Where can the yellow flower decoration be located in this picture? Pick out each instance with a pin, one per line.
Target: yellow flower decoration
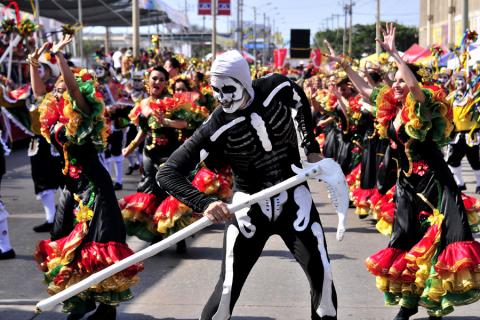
(84, 212)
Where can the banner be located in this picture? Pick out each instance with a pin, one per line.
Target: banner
(279, 57)
(316, 57)
(205, 7)
(223, 8)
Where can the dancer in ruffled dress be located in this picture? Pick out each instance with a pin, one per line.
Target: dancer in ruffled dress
(72, 119)
(432, 259)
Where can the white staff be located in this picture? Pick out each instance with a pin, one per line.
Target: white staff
(13, 43)
(327, 170)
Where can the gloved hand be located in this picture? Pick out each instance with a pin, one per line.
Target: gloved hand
(331, 173)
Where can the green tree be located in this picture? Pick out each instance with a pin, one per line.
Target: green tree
(363, 38)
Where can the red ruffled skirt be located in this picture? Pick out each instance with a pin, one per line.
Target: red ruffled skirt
(150, 219)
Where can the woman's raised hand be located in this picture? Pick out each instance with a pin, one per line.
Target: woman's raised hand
(60, 45)
(38, 51)
(332, 55)
(388, 43)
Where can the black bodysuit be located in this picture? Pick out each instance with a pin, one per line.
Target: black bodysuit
(260, 144)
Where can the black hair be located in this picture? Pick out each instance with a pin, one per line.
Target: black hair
(185, 82)
(343, 81)
(375, 76)
(162, 70)
(199, 75)
(174, 63)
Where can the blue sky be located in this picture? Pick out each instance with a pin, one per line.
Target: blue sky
(308, 14)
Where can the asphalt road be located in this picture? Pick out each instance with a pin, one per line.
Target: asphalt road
(177, 286)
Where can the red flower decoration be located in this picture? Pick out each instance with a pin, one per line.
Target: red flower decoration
(354, 104)
(98, 95)
(86, 77)
(420, 168)
(74, 171)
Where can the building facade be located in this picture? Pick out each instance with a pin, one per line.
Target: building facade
(441, 21)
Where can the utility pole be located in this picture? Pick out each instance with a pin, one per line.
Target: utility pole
(241, 25)
(465, 21)
(214, 29)
(239, 48)
(350, 33)
(451, 24)
(107, 40)
(345, 9)
(264, 54)
(38, 32)
(255, 37)
(429, 22)
(378, 49)
(80, 19)
(338, 22)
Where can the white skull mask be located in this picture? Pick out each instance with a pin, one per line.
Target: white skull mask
(230, 93)
(99, 72)
(460, 83)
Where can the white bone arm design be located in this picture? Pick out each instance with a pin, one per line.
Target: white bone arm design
(331, 173)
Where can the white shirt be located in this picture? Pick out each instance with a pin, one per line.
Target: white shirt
(117, 59)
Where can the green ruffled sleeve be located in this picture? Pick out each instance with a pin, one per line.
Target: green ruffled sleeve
(374, 95)
(85, 127)
(432, 117)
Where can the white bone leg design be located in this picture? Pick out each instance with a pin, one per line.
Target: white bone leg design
(326, 307)
(223, 312)
(278, 203)
(303, 199)
(243, 220)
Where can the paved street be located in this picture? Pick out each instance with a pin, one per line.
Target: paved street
(177, 286)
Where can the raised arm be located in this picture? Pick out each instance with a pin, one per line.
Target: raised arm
(38, 87)
(358, 82)
(388, 44)
(68, 75)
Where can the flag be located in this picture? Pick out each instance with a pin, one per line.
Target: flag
(279, 56)
(316, 57)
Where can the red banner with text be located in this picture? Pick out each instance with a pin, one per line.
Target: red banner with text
(205, 7)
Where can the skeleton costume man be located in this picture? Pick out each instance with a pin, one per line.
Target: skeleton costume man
(254, 133)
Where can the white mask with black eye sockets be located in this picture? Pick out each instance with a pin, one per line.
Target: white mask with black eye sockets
(99, 72)
(230, 93)
(460, 83)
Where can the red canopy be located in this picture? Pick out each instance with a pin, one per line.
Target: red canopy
(415, 52)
